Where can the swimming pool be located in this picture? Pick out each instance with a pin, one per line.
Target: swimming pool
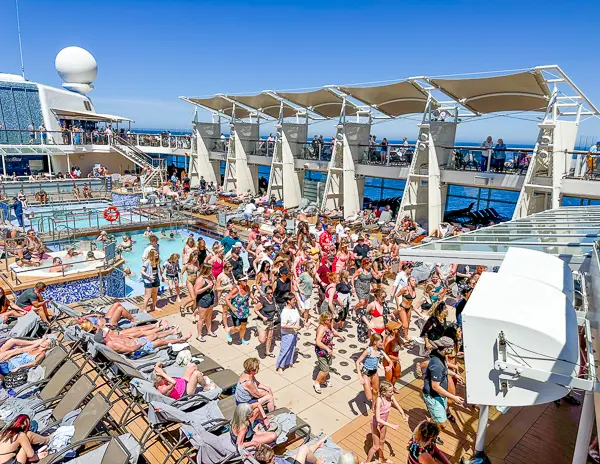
(133, 258)
(76, 216)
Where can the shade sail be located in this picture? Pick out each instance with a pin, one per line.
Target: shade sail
(265, 103)
(320, 101)
(221, 105)
(393, 99)
(87, 116)
(525, 91)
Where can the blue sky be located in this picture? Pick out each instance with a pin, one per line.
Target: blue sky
(151, 52)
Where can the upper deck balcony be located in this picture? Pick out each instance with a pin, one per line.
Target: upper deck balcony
(75, 141)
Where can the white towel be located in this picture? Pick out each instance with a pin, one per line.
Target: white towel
(61, 438)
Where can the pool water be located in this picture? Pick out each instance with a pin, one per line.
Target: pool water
(133, 258)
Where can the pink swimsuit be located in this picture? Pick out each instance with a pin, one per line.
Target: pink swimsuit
(384, 411)
(179, 388)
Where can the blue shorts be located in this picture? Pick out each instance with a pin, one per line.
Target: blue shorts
(148, 346)
(436, 405)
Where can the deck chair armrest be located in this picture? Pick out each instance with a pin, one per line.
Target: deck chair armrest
(306, 428)
(73, 446)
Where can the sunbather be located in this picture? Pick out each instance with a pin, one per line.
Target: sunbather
(112, 317)
(178, 387)
(18, 354)
(138, 339)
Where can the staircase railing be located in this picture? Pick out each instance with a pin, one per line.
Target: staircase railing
(131, 151)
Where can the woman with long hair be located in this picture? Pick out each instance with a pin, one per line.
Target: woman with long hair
(171, 271)
(421, 447)
(217, 260)
(203, 253)
(391, 346)
(244, 430)
(151, 276)
(190, 246)
(191, 268)
(264, 276)
(342, 257)
(404, 304)
(17, 441)
(205, 300)
(324, 349)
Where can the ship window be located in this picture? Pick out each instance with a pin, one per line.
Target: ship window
(87, 105)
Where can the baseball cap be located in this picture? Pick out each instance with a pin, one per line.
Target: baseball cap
(444, 342)
(237, 245)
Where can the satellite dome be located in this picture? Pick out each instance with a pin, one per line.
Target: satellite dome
(77, 67)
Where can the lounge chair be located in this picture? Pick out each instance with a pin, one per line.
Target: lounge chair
(213, 449)
(142, 385)
(52, 383)
(71, 400)
(119, 450)
(85, 423)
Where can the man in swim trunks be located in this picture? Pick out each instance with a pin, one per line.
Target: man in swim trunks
(144, 339)
(31, 299)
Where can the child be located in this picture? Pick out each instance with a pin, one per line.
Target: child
(171, 271)
(370, 358)
(383, 405)
(163, 234)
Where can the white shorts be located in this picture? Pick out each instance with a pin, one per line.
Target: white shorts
(304, 302)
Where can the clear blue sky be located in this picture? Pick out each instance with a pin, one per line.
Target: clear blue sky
(151, 52)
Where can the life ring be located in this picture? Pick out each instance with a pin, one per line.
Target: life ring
(111, 213)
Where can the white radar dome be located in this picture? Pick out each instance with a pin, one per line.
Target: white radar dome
(77, 67)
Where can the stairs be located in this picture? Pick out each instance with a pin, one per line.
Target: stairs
(141, 159)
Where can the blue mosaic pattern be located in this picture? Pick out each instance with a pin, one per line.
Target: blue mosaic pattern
(114, 284)
(125, 201)
(19, 105)
(85, 289)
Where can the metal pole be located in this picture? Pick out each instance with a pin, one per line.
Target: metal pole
(484, 414)
(20, 44)
(4, 165)
(584, 433)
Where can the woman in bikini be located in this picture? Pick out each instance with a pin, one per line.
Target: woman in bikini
(16, 442)
(376, 310)
(404, 304)
(191, 268)
(264, 277)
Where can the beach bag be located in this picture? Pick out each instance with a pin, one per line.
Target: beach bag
(16, 379)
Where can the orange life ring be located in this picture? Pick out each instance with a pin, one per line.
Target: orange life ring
(111, 213)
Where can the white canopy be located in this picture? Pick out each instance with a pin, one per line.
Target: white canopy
(88, 116)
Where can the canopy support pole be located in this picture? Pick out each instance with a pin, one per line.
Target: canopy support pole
(205, 135)
(238, 176)
(4, 165)
(584, 432)
(284, 183)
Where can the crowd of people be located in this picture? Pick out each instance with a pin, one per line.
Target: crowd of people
(323, 276)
